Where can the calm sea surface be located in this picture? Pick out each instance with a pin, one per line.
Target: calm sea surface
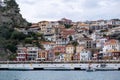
(59, 75)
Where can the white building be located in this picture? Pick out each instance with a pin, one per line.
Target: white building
(32, 53)
(48, 45)
(21, 54)
(48, 29)
(27, 53)
(50, 37)
(62, 42)
(60, 57)
(85, 55)
(111, 46)
(113, 22)
(101, 22)
(96, 35)
(87, 42)
(100, 42)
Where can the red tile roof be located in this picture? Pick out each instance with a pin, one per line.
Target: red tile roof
(67, 32)
(111, 42)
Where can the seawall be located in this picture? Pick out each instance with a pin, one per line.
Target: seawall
(58, 66)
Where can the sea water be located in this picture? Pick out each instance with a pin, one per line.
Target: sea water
(59, 75)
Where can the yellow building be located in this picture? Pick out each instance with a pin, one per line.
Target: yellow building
(79, 48)
(46, 27)
(68, 57)
(43, 26)
(42, 55)
(70, 49)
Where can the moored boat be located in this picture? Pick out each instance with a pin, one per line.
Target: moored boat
(89, 69)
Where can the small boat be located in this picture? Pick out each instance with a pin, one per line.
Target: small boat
(89, 69)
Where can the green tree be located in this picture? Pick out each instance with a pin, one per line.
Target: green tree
(18, 35)
(11, 47)
(6, 32)
(67, 26)
(28, 40)
(9, 19)
(70, 37)
(57, 53)
(12, 4)
(104, 35)
(41, 36)
(75, 43)
(12, 57)
(12, 13)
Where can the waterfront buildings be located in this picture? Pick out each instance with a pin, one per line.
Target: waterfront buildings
(85, 55)
(111, 46)
(70, 49)
(27, 53)
(42, 55)
(21, 54)
(32, 53)
(68, 41)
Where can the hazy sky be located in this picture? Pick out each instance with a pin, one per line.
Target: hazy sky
(76, 10)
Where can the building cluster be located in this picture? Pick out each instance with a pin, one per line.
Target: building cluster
(73, 41)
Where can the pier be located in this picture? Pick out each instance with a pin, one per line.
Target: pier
(49, 65)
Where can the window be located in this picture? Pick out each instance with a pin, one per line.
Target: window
(19, 51)
(32, 51)
(59, 49)
(115, 49)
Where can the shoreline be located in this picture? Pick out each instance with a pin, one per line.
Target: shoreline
(101, 66)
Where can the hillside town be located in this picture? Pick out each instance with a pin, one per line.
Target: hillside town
(65, 40)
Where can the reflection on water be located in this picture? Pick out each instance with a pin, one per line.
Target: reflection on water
(59, 75)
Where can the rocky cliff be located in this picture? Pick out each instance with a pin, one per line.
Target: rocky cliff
(10, 18)
(10, 15)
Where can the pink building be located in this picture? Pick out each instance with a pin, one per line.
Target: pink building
(27, 53)
(21, 54)
(59, 49)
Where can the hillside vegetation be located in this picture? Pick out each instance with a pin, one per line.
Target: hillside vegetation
(10, 18)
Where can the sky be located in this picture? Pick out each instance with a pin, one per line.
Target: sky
(76, 10)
